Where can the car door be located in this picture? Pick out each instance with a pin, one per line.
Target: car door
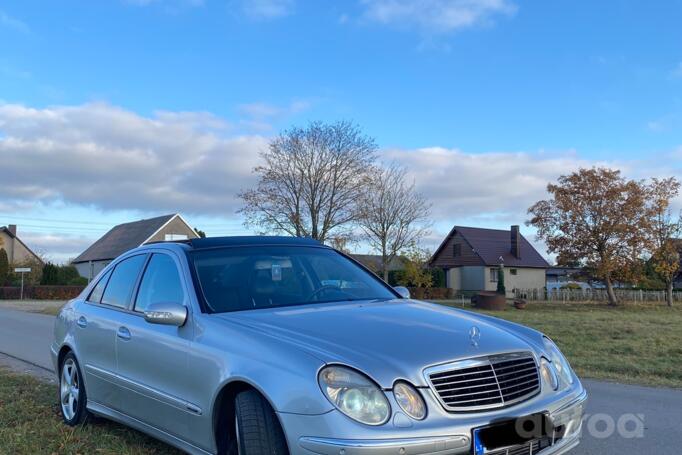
(152, 358)
(96, 329)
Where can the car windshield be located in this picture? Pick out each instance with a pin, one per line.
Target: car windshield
(246, 278)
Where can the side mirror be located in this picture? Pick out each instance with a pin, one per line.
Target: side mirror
(166, 314)
(403, 291)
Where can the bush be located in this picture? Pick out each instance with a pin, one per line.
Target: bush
(395, 277)
(41, 292)
(431, 293)
(62, 275)
(571, 286)
(4, 267)
(56, 292)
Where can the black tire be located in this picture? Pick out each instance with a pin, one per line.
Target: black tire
(257, 428)
(77, 414)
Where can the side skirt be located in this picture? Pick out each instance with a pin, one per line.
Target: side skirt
(106, 412)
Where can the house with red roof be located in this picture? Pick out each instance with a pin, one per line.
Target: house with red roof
(471, 257)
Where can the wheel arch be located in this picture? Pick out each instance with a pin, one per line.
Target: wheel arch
(222, 410)
(65, 349)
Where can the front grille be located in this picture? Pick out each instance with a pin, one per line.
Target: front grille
(485, 382)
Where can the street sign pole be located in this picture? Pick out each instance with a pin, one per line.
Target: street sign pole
(22, 270)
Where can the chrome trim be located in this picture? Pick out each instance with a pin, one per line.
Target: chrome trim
(489, 360)
(142, 389)
(412, 446)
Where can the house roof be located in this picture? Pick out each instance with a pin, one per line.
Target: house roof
(122, 238)
(6, 230)
(491, 244)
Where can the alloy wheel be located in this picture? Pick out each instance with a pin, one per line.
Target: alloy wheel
(69, 389)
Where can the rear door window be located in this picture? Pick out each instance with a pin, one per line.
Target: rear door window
(98, 290)
(122, 281)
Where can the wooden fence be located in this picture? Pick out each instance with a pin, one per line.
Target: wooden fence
(593, 295)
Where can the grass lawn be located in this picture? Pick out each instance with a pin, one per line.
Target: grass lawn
(630, 343)
(30, 423)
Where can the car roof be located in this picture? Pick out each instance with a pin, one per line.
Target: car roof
(250, 240)
(246, 240)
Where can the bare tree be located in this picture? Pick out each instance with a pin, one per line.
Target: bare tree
(311, 181)
(665, 231)
(394, 216)
(598, 218)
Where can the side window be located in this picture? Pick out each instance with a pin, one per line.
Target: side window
(122, 281)
(160, 283)
(96, 293)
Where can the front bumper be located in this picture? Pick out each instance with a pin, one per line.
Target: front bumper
(443, 434)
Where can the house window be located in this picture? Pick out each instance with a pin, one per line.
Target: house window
(457, 249)
(493, 274)
(512, 271)
(171, 237)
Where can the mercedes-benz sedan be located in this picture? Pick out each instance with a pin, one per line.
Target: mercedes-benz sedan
(273, 345)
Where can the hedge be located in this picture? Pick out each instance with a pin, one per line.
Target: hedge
(437, 277)
(41, 292)
(431, 293)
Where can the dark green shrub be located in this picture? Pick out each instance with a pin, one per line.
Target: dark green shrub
(4, 267)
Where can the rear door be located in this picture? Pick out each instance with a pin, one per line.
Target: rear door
(97, 323)
(152, 358)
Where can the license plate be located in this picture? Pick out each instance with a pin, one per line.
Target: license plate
(510, 433)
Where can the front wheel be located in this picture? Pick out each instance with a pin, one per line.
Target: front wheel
(257, 428)
(72, 397)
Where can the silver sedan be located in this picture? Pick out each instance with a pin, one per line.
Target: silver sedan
(275, 345)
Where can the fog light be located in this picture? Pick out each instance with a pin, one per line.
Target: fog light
(409, 400)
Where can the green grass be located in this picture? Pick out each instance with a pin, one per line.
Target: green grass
(30, 423)
(630, 343)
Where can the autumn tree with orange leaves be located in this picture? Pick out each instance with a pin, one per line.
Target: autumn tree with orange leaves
(598, 218)
(664, 232)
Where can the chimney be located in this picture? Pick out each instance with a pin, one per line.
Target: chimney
(12, 228)
(516, 242)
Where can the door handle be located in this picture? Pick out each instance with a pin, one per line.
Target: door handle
(123, 333)
(82, 322)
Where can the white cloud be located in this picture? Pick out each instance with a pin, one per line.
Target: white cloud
(677, 71)
(13, 23)
(110, 158)
(489, 187)
(436, 16)
(267, 9)
(56, 247)
(655, 126)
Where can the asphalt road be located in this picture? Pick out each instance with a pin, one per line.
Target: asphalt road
(656, 412)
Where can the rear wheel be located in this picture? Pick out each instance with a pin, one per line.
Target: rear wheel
(72, 396)
(257, 429)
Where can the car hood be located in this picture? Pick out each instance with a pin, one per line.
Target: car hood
(387, 340)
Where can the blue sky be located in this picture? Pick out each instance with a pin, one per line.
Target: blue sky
(520, 90)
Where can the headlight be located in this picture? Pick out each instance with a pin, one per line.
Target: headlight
(549, 374)
(355, 395)
(409, 400)
(559, 361)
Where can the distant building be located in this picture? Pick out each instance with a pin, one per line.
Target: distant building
(373, 262)
(17, 251)
(558, 277)
(127, 236)
(471, 256)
